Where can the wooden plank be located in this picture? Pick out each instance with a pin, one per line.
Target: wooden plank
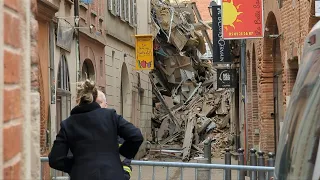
(187, 142)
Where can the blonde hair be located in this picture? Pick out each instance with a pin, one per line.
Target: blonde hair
(87, 92)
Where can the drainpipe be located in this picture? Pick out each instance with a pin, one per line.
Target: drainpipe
(76, 20)
(243, 92)
(52, 81)
(51, 59)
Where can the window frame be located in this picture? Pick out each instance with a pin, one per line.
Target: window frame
(63, 91)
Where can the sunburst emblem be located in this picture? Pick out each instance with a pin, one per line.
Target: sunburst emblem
(231, 14)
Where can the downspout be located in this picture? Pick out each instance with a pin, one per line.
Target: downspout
(243, 93)
(52, 80)
(76, 21)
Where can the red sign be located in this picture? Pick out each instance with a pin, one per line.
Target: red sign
(242, 19)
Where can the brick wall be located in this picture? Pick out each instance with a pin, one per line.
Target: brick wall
(293, 20)
(12, 120)
(16, 115)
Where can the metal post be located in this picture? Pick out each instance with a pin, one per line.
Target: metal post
(271, 164)
(203, 174)
(253, 162)
(41, 171)
(261, 162)
(227, 156)
(241, 175)
(207, 149)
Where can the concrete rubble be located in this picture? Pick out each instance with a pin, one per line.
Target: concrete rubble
(188, 108)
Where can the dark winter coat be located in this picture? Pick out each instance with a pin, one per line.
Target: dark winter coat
(91, 133)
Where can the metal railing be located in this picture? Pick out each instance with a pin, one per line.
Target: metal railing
(202, 171)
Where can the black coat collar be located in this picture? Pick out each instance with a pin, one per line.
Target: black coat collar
(83, 108)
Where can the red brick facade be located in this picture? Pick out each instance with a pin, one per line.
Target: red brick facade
(269, 57)
(12, 103)
(15, 26)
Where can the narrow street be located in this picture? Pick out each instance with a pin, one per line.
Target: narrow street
(85, 81)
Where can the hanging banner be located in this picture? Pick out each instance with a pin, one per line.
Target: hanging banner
(221, 48)
(144, 52)
(242, 19)
(226, 78)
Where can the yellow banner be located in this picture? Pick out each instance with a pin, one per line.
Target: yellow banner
(144, 52)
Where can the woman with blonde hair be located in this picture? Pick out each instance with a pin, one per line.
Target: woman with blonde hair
(91, 134)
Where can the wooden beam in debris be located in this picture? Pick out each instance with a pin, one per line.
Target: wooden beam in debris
(188, 137)
(170, 138)
(161, 99)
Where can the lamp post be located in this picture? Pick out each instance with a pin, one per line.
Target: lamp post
(211, 5)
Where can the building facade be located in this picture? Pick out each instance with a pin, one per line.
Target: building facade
(19, 91)
(128, 91)
(92, 42)
(272, 67)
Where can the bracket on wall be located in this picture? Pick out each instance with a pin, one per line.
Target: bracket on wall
(275, 36)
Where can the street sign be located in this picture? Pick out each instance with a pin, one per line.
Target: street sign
(242, 19)
(221, 48)
(144, 52)
(226, 78)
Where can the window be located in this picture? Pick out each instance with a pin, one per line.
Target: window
(135, 13)
(127, 10)
(88, 70)
(63, 75)
(101, 67)
(130, 13)
(110, 5)
(63, 105)
(123, 9)
(118, 7)
(280, 3)
(113, 55)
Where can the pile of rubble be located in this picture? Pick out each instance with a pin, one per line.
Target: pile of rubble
(188, 108)
(187, 126)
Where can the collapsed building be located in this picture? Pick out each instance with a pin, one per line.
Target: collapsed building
(187, 106)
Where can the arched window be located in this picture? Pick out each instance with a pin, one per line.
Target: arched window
(88, 70)
(63, 92)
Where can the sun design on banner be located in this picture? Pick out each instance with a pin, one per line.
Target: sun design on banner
(230, 14)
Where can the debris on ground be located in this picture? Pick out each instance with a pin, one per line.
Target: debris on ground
(188, 108)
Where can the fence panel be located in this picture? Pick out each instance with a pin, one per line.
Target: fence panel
(182, 166)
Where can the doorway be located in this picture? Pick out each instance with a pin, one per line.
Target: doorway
(124, 92)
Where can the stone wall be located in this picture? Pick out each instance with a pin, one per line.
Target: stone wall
(19, 123)
(136, 107)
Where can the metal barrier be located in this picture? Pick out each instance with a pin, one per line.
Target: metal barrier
(183, 165)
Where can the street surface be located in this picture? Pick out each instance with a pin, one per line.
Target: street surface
(174, 173)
